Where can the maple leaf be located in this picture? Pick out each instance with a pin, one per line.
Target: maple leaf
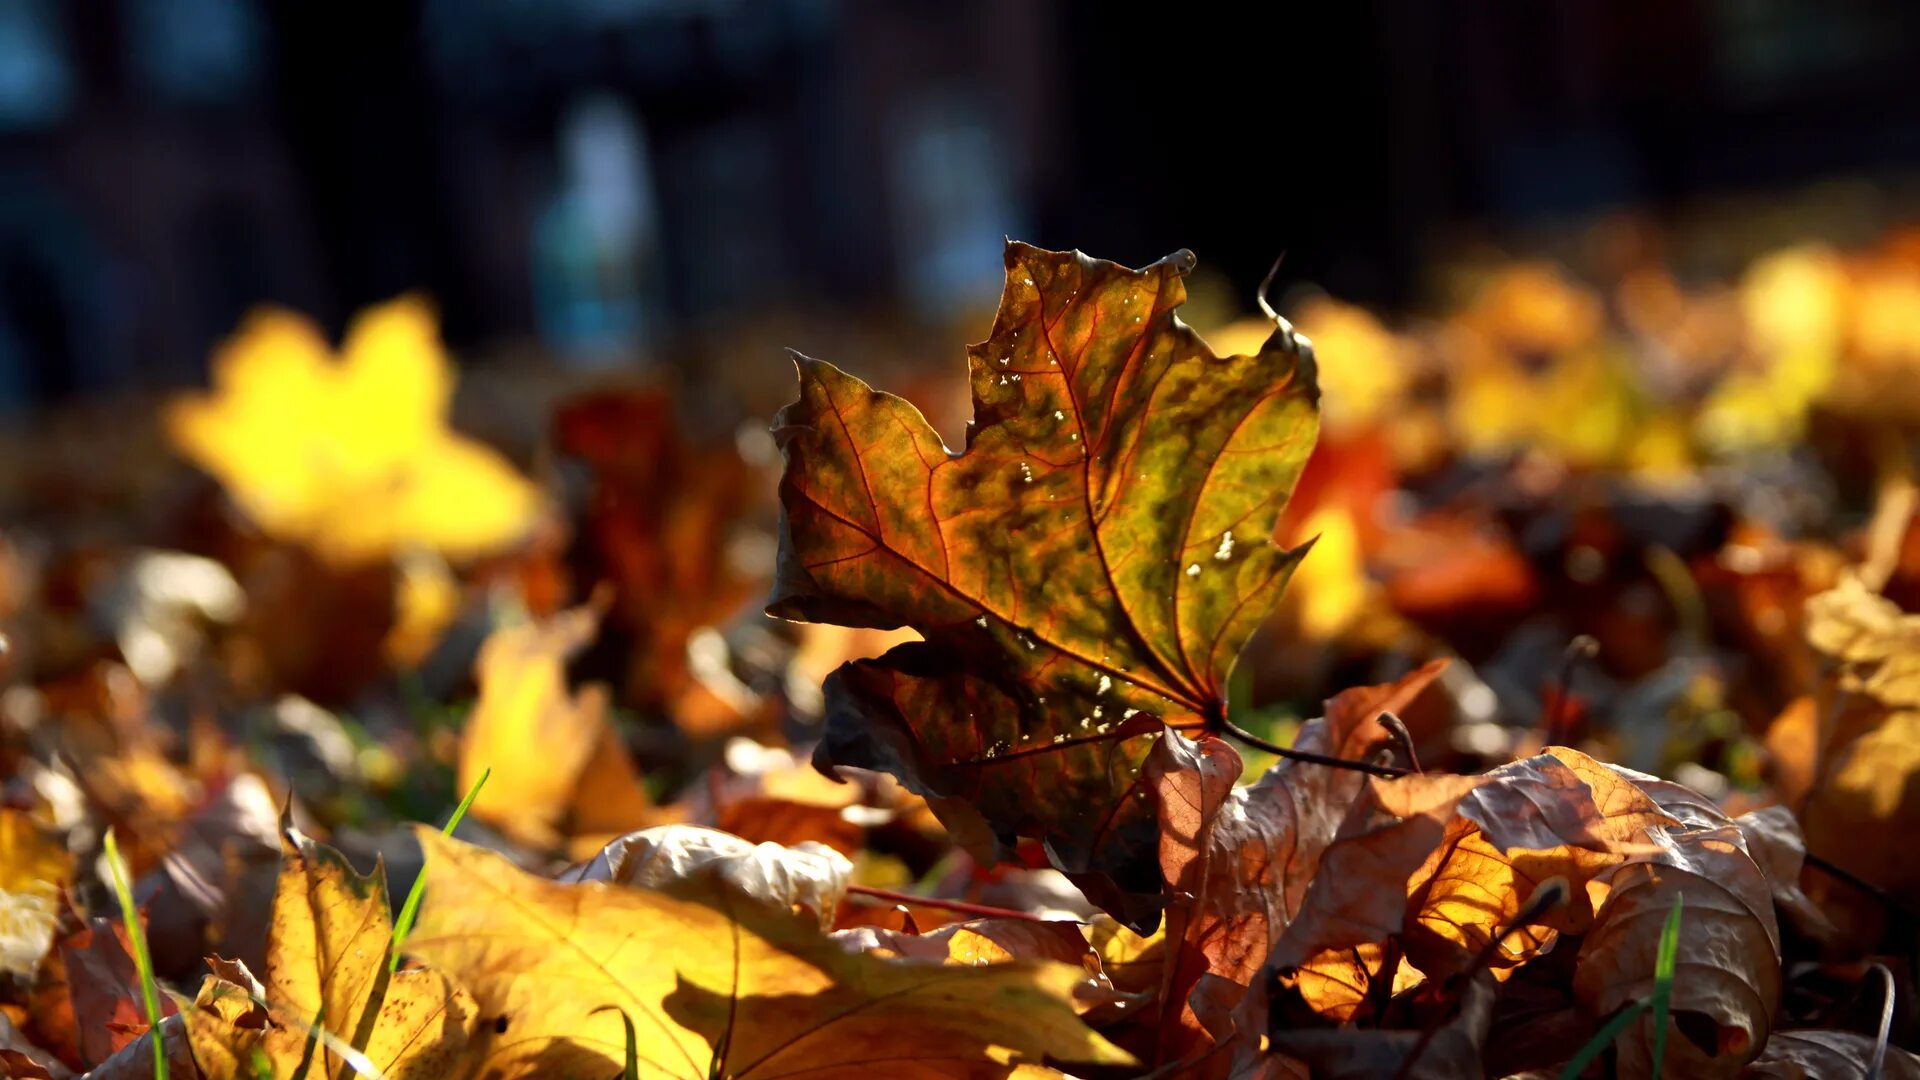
(327, 969)
(351, 456)
(1084, 573)
(559, 769)
(718, 983)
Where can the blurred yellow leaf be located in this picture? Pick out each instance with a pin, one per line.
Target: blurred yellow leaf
(718, 985)
(350, 455)
(560, 771)
(34, 865)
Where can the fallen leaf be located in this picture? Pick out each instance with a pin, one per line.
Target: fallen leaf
(560, 772)
(1869, 736)
(1823, 1054)
(1452, 1053)
(327, 968)
(806, 877)
(351, 455)
(1084, 573)
(1727, 986)
(1239, 859)
(764, 994)
(657, 525)
(108, 1009)
(34, 867)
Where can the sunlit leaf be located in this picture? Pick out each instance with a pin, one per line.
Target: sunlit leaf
(351, 454)
(1084, 572)
(718, 984)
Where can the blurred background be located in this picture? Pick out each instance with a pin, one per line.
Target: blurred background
(594, 181)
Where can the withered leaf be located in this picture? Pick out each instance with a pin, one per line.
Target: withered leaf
(719, 986)
(327, 968)
(1824, 1054)
(806, 876)
(1084, 573)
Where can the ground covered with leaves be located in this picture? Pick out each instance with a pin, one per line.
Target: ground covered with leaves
(1528, 690)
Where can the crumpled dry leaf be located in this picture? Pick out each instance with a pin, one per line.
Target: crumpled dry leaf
(805, 876)
(327, 967)
(351, 455)
(1085, 572)
(1727, 984)
(1827, 1055)
(1244, 855)
(561, 775)
(1438, 864)
(764, 993)
(1869, 737)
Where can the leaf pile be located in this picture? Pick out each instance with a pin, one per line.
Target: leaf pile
(1157, 729)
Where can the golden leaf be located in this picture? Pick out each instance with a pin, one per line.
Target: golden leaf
(327, 968)
(559, 769)
(718, 985)
(351, 456)
(33, 868)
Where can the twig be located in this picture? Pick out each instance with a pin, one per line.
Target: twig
(1892, 902)
(1404, 738)
(1258, 743)
(981, 910)
(1581, 648)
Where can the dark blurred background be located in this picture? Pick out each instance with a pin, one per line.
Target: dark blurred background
(595, 176)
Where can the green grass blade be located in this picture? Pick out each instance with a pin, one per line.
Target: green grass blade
(1665, 961)
(1663, 968)
(403, 925)
(117, 867)
(1601, 1040)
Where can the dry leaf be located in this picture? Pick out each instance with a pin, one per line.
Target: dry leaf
(1827, 1055)
(807, 876)
(327, 967)
(34, 867)
(560, 771)
(719, 986)
(1085, 572)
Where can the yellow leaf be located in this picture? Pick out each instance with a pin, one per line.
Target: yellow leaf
(559, 769)
(33, 867)
(350, 456)
(717, 985)
(327, 969)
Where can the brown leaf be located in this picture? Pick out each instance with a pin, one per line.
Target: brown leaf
(1239, 859)
(108, 1008)
(1084, 572)
(1827, 1055)
(1452, 1053)
(1727, 985)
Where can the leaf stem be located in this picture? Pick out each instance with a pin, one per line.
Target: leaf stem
(984, 911)
(1258, 743)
